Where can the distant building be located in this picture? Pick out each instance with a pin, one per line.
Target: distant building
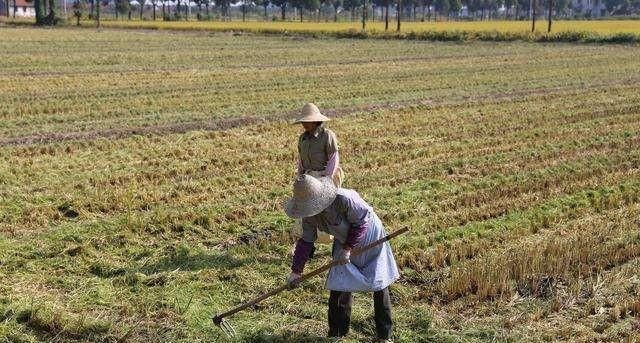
(23, 8)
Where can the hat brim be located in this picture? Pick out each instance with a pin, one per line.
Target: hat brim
(312, 118)
(301, 209)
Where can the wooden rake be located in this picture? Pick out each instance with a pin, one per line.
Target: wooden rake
(230, 331)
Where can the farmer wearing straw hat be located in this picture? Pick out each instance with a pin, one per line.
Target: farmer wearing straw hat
(344, 214)
(318, 154)
(318, 146)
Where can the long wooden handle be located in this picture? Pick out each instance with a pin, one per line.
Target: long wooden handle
(355, 252)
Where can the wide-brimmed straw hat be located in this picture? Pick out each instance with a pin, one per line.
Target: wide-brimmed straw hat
(311, 113)
(310, 196)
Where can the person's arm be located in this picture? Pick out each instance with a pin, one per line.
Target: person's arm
(357, 212)
(300, 165)
(332, 164)
(331, 149)
(304, 245)
(355, 235)
(300, 168)
(301, 255)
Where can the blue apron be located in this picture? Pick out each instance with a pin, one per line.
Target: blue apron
(373, 270)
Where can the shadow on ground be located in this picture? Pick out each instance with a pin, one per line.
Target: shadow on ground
(289, 337)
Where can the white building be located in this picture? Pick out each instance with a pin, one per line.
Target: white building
(23, 8)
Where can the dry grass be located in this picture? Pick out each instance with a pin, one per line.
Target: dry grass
(520, 184)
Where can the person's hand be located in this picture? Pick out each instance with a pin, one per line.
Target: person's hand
(344, 256)
(293, 280)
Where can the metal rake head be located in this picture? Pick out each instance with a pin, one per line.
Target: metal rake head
(225, 326)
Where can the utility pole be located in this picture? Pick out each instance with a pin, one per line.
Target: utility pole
(533, 15)
(386, 16)
(364, 14)
(399, 14)
(98, 13)
(550, 12)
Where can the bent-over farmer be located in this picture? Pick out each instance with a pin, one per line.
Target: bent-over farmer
(317, 154)
(345, 215)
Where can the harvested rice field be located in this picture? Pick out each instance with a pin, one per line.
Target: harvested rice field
(142, 176)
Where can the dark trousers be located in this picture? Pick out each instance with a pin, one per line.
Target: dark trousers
(340, 304)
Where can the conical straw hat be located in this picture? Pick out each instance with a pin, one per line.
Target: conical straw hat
(311, 113)
(310, 196)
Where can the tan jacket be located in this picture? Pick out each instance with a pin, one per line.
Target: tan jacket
(316, 148)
